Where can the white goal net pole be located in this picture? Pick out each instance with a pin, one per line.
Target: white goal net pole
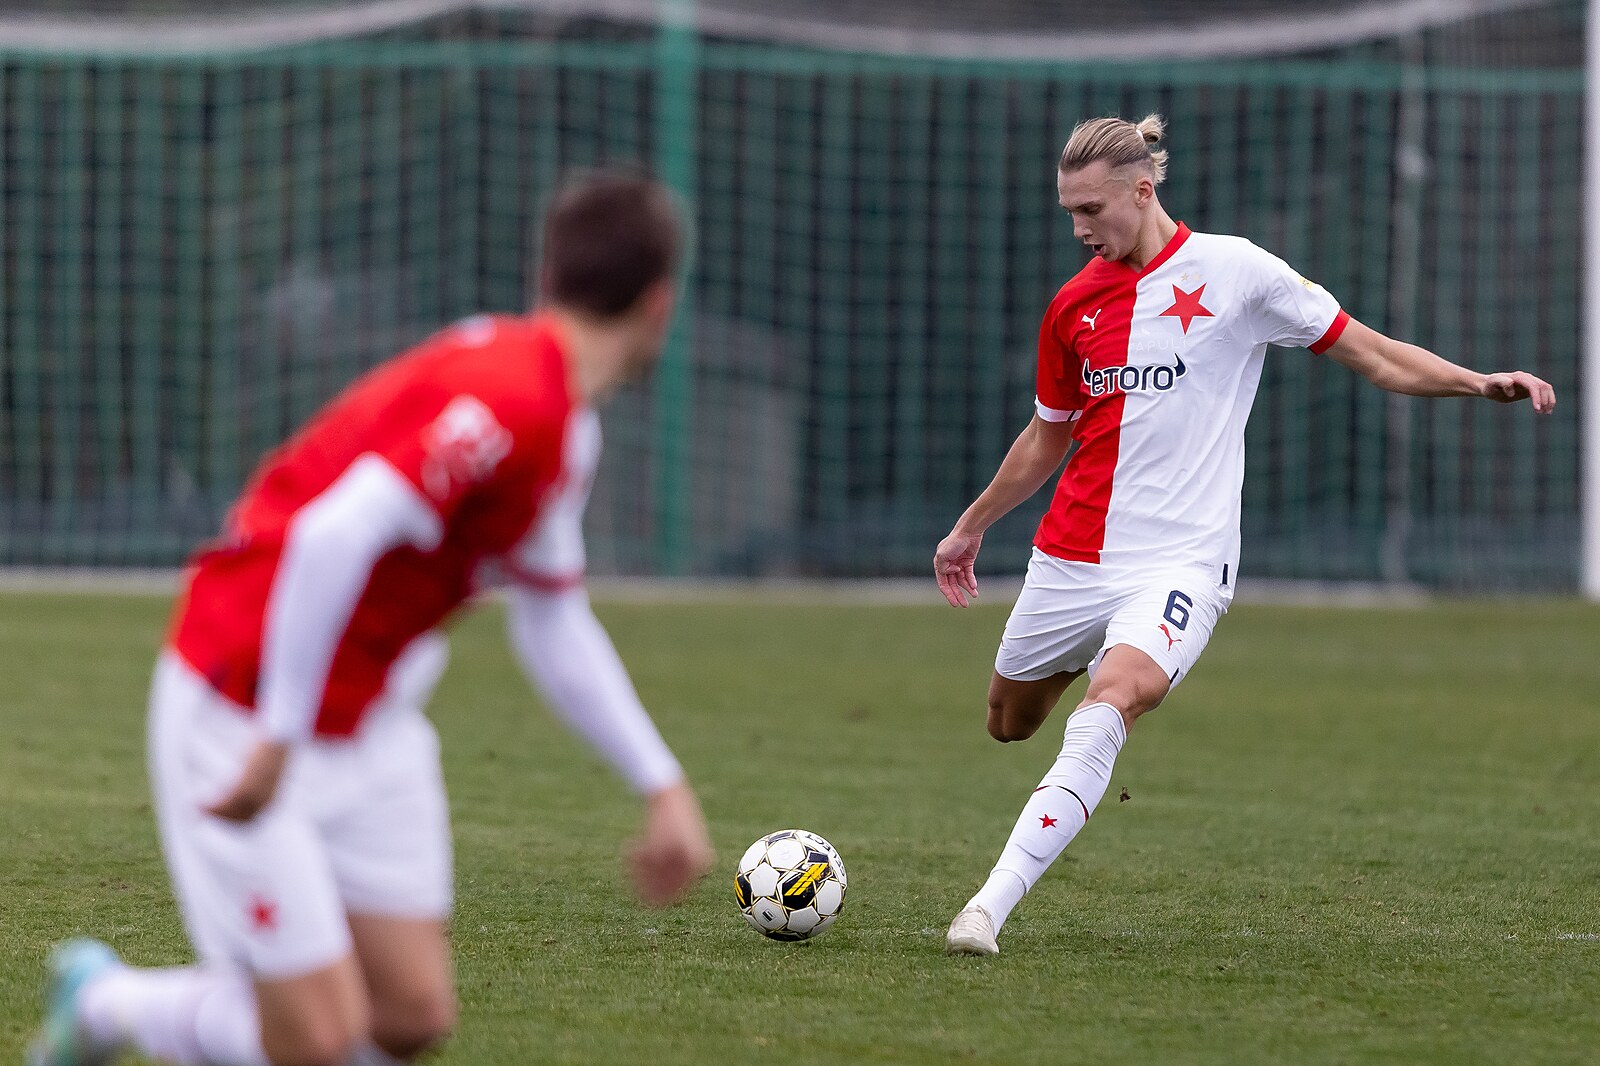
(281, 24)
(1589, 401)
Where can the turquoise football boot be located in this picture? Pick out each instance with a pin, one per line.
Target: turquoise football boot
(61, 1040)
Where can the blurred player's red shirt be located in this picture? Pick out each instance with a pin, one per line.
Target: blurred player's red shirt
(476, 418)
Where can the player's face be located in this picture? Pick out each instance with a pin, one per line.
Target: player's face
(1106, 207)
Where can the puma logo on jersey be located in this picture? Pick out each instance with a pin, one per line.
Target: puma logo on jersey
(1133, 378)
(1171, 640)
(1089, 320)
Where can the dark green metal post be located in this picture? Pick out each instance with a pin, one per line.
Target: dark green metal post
(677, 78)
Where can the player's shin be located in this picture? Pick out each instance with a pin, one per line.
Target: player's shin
(1058, 808)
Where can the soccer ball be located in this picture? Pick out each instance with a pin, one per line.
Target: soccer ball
(790, 885)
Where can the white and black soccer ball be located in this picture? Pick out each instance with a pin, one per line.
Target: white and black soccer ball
(790, 885)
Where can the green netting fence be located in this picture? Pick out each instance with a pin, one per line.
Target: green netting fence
(196, 251)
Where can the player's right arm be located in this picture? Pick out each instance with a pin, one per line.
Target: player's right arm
(1036, 454)
(329, 552)
(567, 654)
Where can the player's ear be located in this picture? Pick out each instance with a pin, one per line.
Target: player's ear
(657, 301)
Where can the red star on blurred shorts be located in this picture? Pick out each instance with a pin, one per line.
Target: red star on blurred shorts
(1045, 821)
(1186, 306)
(263, 915)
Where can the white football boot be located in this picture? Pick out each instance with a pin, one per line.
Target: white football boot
(972, 933)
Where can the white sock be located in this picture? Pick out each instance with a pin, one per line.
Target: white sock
(373, 1055)
(189, 1016)
(1058, 808)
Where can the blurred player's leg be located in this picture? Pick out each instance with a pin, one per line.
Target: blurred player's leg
(200, 1016)
(315, 1020)
(406, 965)
(215, 1016)
(389, 845)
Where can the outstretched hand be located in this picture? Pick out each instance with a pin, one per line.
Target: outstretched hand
(1516, 385)
(675, 850)
(953, 563)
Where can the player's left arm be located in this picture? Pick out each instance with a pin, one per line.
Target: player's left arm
(1407, 368)
(568, 655)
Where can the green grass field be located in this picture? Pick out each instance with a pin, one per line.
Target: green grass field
(1353, 836)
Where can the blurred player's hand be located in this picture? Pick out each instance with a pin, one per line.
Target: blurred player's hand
(952, 566)
(1516, 385)
(256, 785)
(675, 850)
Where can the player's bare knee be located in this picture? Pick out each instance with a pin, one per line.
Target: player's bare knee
(322, 1043)
(997, 724)
(1129, 699)
(1002, 731)
(1132, 692)
(413, 1043)
(415, 1023)
(1008, 723)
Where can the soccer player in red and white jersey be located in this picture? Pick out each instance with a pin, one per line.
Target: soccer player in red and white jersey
(297, 783)
(1149, 360)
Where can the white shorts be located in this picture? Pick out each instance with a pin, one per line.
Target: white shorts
(359, 825)
(1069, 613)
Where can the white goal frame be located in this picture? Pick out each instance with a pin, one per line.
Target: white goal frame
(1589, 364)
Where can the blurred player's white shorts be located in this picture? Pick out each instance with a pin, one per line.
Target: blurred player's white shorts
(1069, 613)
(358, 825)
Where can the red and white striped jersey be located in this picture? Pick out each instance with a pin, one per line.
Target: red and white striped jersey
(1159, 368)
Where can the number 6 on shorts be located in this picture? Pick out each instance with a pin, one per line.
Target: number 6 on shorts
(1177, 611)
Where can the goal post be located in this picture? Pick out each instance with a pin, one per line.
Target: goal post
(1589, 400)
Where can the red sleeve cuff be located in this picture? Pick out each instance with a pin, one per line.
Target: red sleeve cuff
(1331, 335)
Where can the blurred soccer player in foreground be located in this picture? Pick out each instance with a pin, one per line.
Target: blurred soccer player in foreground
(1149, 359)
(297, 782)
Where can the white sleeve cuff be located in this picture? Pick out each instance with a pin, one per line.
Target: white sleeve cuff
(1050, 414)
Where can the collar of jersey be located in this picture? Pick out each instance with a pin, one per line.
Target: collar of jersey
(1162, 256)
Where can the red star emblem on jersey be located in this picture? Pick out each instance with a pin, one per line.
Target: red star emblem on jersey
(1186, 307)
(263, 914)
(1045, 821)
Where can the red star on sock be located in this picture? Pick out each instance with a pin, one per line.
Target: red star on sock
(1045, 821)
